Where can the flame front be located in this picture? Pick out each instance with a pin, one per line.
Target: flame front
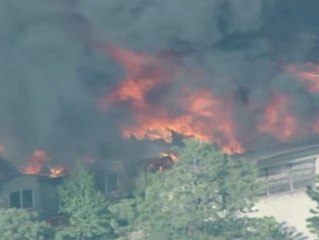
(200, 114)
(195, 110)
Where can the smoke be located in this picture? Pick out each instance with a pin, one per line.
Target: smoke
(52, 73)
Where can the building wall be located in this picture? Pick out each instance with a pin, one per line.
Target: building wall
(285, 178)
(118, 170)
(44, 193)
(49, 203)
(19, 184)
(292, 208)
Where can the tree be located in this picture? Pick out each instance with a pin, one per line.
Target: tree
(201, 197)
(17, 224)
(84, 206)
(313, 222)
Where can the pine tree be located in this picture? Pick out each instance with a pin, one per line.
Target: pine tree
(84, 206)
(17, 224)
(201, 197)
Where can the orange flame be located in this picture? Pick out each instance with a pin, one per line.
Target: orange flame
(144, 74)
(171, 155)
(57, 171)
(277, 119)
(309, 77)
(36, 162)
(201, 114)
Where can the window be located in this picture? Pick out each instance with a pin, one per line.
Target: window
(21, 199)
(111, 182)
(15, 200)
(27, 198)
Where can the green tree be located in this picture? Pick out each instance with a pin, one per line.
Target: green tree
(313, 222)
(201, 197)
(17, 224)
(84, 207)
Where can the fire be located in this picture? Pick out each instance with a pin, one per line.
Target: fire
(309, 77)
(145, 74)
(171, 155)
(57, 171)
(39, 164)
(277, 119)
(36, 162)
(200, 114)
(204, 117)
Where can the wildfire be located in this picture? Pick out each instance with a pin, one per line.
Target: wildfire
(145, 74)
(200, 114)
(309, 77)
(39, 164)
(36, 161)
(57, 171)
(277, 119)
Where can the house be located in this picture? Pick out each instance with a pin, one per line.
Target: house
(285, 175)
(31, 192)
(287, 171)
(113, 178)
(39, 192)
(7, 171)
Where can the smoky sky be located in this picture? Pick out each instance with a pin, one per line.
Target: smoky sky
(52, 74)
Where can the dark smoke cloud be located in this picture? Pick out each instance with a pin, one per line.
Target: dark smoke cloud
(52, 74)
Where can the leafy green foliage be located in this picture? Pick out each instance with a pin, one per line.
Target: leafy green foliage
(313, 222)
(201, 197)
(85, 207)
(17, 224)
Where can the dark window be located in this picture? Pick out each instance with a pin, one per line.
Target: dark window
(27, 198)
(15, 200)
(21, 199)
(111, 182)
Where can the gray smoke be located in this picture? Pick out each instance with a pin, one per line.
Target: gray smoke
(52, 75)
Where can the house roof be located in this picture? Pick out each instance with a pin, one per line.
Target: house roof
(7, 170)
(284, 154)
